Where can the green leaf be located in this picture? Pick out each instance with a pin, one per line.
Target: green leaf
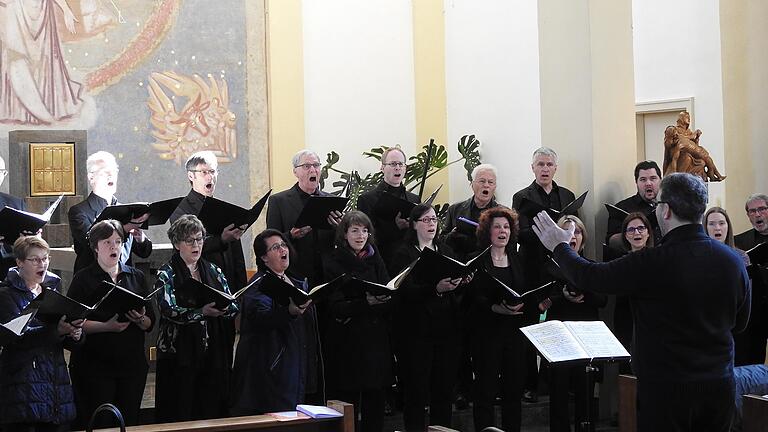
(469, 148)
(331, 159)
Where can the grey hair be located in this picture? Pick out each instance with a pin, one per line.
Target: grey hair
(484, 167)
(205, 157)
(301, 153)
(686, 195)
(544, 151)
(98, 159)
(755, 197)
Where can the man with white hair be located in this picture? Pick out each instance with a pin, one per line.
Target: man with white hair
(458, 234)
(223, 249)
(6, 250)
(102, 177)
(284, 208)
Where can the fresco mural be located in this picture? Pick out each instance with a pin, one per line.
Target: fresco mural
(151, 81)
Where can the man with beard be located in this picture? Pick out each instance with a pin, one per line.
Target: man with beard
(389, 233)
(284, 208)
(750, 345)
(102, 177)
(223, 249)
(647, 179)
(6, 249)
(690, 295)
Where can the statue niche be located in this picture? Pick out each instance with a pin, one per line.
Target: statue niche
(682, 152)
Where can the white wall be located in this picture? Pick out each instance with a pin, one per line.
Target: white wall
(358, 78)
(492, 80)
(677, 54)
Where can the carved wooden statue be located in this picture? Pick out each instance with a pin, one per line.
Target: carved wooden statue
(682, 152)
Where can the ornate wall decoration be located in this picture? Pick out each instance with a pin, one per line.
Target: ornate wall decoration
(203, 122)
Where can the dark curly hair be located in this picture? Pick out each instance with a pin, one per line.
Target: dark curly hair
(484, 226)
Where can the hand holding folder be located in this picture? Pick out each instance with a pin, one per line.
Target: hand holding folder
(316, 210)
(15, 222)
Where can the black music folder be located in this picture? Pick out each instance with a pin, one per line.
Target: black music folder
(159, 212)
(15, 328)
(758, 254)
(52, 305)
(432, 266)
(466, 225)
(511, 296)
(388, 205)
(281, 291)
(14, 222)
(193, 294)
(118, 301)
(217, 214)
(530, 208)
(316, 210)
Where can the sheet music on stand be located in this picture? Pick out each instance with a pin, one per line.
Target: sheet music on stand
(574, 341)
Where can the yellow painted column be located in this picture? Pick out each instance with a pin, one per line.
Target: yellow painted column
(429, 80)
(285, 88)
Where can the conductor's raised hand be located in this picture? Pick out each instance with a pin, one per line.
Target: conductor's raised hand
(549, 233)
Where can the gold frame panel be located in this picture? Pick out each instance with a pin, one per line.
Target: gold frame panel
(51, 169)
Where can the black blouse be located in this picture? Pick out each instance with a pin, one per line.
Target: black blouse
(113, 354)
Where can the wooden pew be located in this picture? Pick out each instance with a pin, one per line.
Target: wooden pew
(627, 403)
(261, 423)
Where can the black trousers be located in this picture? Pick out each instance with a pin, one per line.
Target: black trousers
(430, 370)
(683, 407)
(34, 427)
(499, 367)
(563, 379)
(185, 393)
(125, 392)
(369, 407)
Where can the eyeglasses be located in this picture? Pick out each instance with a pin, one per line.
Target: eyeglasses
(756, 210)
(39, 260)
(194, 241)
(395, 164)
(638, 229)
(431, 219)
(308, 166)
(277, 246)
(212, 172)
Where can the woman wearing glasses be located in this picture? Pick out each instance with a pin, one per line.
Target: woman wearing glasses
(194, 346)
(432, 324)
(359, 360)
(637, 232)
(574, 304)
(277, 356)
(35, 393)
(111, 366)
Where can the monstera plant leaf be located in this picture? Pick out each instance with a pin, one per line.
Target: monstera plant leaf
(469, 148)
(330, 160)
(376, 152)
(416, 165)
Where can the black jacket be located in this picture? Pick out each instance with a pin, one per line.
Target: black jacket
(750, 345)
(283, 210)
(227, 256)
(357, 334)
(81, 217)
(463, 240)
(6, 248)
(421, 312)
(688, 296)
(632, 204)
(532, 253)
(34, 381)
(388, 235)
(277, 361)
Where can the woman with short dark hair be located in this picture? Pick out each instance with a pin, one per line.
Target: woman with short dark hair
(194, 345)
(276, 363)
(35, 392)
(359, 360)
(112, 366)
